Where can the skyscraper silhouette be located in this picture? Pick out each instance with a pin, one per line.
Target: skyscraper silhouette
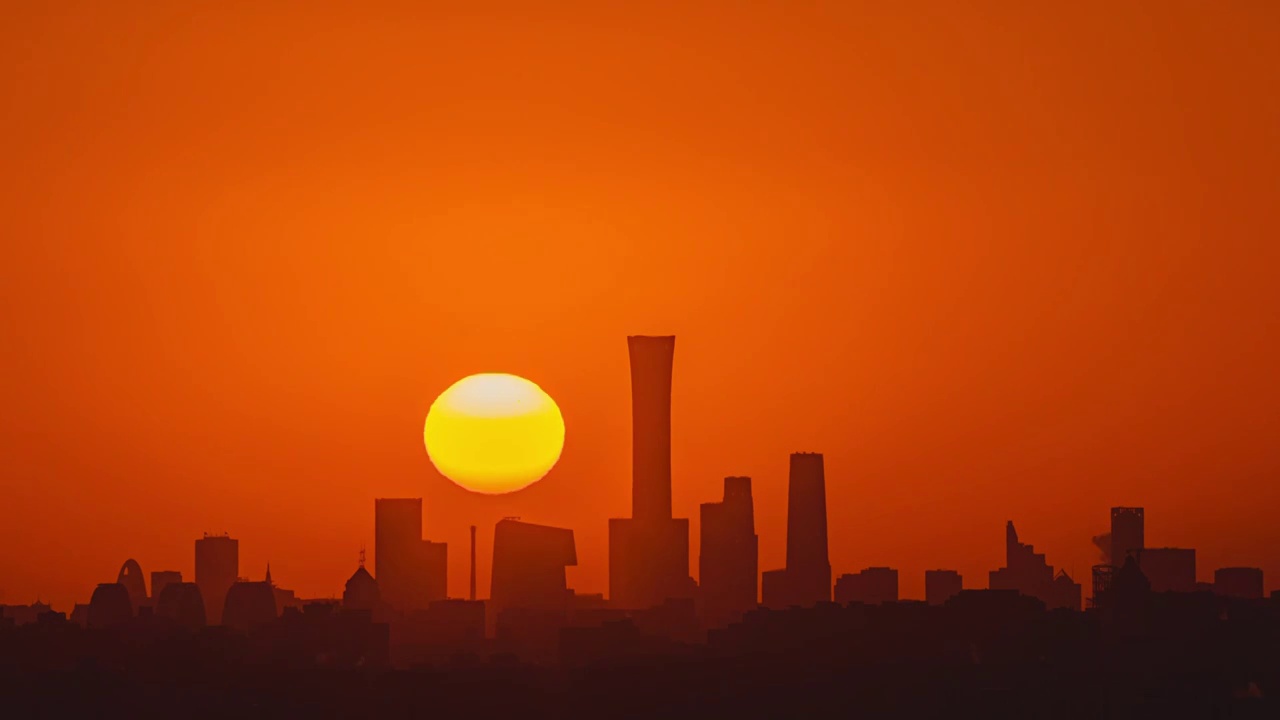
(728, 561)
(1128, 534)
(806, 579)
(529, 564)
(649, 552)
(411, 572)
(1027, 572)
(217, 568)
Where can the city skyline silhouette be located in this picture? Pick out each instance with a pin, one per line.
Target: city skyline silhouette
(909, 359)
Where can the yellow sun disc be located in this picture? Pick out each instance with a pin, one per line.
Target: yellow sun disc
(494, 433)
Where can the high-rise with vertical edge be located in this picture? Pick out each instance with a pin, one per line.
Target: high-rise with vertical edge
(728, 560)
(411, 572)
(217, 568)
(1128, 534)
(806, 579)
(649, 551)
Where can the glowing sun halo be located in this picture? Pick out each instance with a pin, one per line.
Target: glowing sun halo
(494, 433)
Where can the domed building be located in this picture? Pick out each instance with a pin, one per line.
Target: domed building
(250, 605)
(110, 607)
(181, 603)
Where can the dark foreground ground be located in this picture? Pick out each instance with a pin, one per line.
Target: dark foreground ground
(678, 689)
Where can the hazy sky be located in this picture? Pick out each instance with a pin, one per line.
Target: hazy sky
(1009, 261)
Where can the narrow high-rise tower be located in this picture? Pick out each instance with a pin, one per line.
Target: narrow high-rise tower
(806, 580)
(649, 552)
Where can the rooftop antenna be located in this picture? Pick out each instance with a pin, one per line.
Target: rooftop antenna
(361, 554)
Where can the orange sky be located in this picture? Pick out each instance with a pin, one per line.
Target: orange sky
(1018, 262)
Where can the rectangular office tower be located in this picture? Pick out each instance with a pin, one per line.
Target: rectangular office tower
(806, 580)
(1169, 569)
(217, 568)
(529, 564)
(729, 558)
(411, 572)
(649, 552)
(872, 586)
(941, 585)
(1128, 534)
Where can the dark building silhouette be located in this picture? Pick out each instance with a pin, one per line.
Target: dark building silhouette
(728, 561)
(110, 606)
(649, 552)
(24, 614)
(941, 585)
(471, 587)
(1169, 569)
(130, 576)
(249, 606)
(217, 569)
(1027, 572)
(161, 578)
(529, 565)
(1238, 582)
(806, 579)
(871, 586)
(361, 592)
(1128, 533)
(181, 603)
(411, 572)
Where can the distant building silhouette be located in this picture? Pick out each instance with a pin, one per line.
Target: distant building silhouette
(130, 576)
(411, 572)
(649, 552)
(181, 603)
(529, 566)
(24, 614)
(1027, 572)
(941, 585)
(217, 568)
(110, 606)
(161, 578)
(871, 586)
(1128, 533)
(361, 592)
(249, 606)
(1169, 569)
(1238, 582)
(806, 579)
(728, 561)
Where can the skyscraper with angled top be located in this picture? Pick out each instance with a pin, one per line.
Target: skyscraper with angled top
(649, 551)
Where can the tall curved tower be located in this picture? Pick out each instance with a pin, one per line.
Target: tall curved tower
(649, 552)
(131, 578)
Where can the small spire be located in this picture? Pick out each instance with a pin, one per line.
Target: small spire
(269, 575)
(362, 555)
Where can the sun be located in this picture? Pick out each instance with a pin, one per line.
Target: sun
(494, 433)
